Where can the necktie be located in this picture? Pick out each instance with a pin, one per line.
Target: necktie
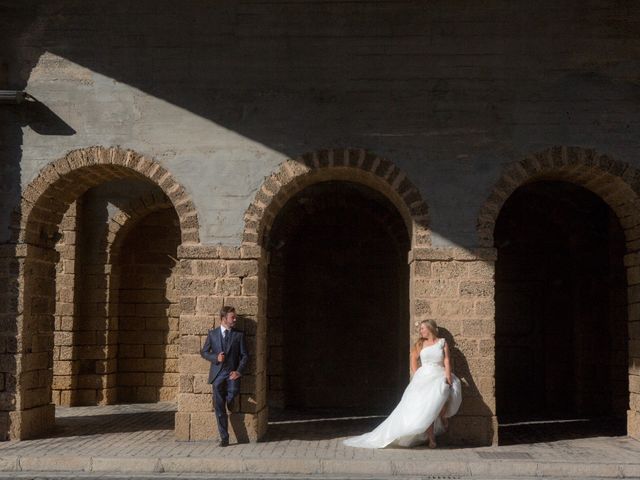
(225, 333)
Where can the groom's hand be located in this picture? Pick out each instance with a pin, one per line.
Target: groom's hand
(234, 375)
(221, 357)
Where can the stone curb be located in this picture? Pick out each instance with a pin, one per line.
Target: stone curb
(303, 466)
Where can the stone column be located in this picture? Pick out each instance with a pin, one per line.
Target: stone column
(632, 262)
(27, 341)
(455, 287)
(208, 278)
(10, 305)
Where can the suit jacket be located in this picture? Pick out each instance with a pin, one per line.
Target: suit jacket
(235, 355)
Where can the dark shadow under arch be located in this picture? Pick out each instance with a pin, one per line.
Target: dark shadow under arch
(561, 327)
(338, 304)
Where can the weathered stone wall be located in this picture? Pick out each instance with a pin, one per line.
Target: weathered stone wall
(217, 96)
(455, 287)
(208, 278)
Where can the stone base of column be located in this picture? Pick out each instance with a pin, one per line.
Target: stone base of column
(633, 424)
(32, 423)
(243, 427)
(471, 431)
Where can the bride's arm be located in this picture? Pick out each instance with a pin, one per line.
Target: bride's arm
(447, 363)
(413, 360)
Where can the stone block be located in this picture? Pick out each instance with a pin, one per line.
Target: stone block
(480, 270)
(126, 465)
(211, 268)
(190, 344)
(454, 308)
(228, 286)
(131, 379)
(56, 464)
(242, 268)
(472, 288)
(65, 367)
(203, 426)
(229, 252)
(162, 379)
(426, 288)
(201, 384)
(485, 308)
(421, 269)
(187, 305)
(63, 382)
(162, 351)
(250, 251)
(633, 424)
(422, 309)
(182, 426)
(250, 286)
(195, 324)
(193, 363)
(197, 286)
(472, 431)
(85, 397)
(26, 424)
(245, 306)
(146, 394)
(131, 351)
(167, 394)
(192, 402)
(210, 306)
(185, 384)
(448, 270)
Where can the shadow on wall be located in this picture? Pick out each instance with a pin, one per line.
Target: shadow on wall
(300, 76)
(473, 404)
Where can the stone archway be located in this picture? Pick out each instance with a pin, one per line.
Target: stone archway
(100, 267)
(293, 176)
(36, 224)
(615, 183)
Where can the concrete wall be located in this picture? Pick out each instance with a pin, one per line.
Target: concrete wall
(220, 93)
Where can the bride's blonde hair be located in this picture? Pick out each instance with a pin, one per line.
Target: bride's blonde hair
(433, 328)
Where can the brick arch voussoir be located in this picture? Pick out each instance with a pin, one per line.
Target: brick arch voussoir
(356, 165)
(59, 183)
(615, 182)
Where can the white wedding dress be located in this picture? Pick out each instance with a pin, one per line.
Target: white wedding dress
(420, 406)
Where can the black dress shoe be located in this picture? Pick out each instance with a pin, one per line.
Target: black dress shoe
(223, 443)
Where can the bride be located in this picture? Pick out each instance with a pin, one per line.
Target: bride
(433, 395)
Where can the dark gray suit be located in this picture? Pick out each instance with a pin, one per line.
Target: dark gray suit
(235, 359)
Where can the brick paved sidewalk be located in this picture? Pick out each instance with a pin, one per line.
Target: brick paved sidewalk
(139, 438)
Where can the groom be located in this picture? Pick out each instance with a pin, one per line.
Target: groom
(226, 351)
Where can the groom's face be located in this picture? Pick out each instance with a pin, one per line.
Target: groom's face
(229, 320)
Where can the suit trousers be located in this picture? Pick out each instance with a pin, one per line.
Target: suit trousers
(225, 391)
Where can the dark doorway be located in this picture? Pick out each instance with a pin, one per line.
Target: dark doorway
(561, 315)
(338, 318)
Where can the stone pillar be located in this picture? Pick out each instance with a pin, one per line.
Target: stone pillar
(27, 333)
(455, 287)
(10, 305)
(65, 378)
(208, 278)
(632, 262)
